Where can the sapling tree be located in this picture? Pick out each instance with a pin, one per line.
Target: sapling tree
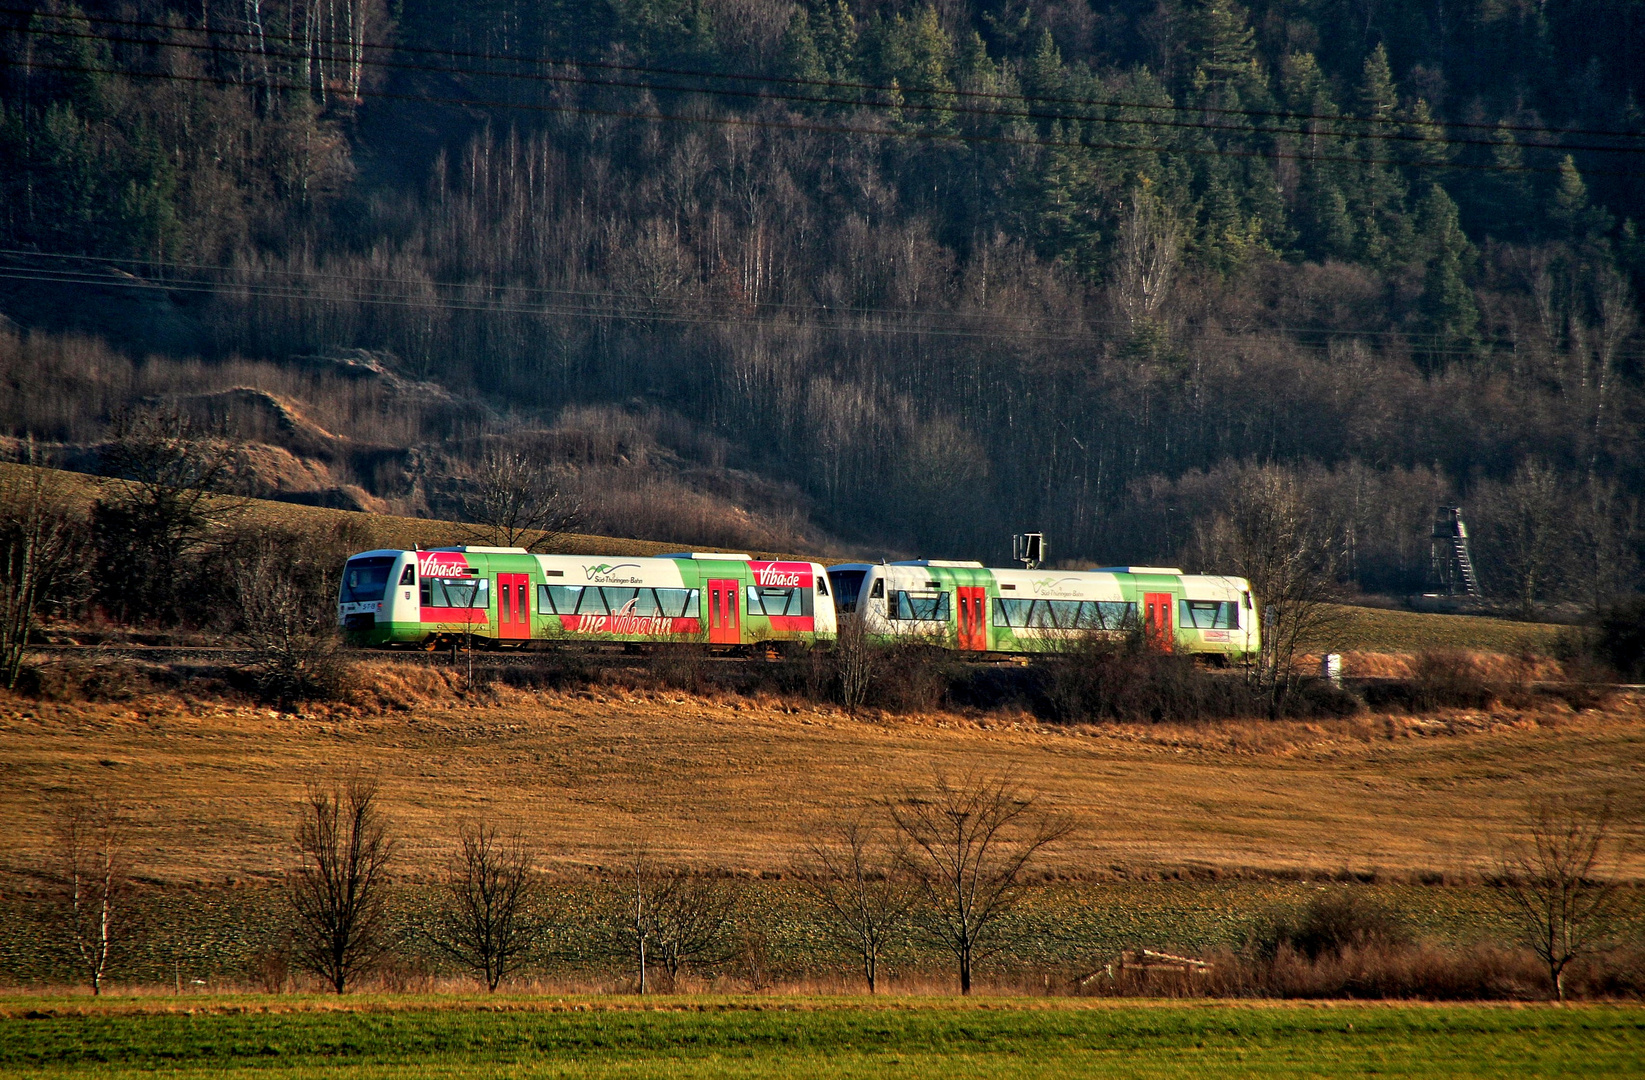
(89, 878)
(970, 844)
(864, 893)
(338, 890)
(488, 921)
(1558, 883)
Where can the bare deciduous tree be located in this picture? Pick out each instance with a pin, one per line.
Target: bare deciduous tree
(90, 878)
(515, 496)
(1524, 527)
(856, 661)
(488, 922)
(1150, 240)
(970, 844)
(338, 890)
(39, 540)
(1558, 886)
(283, 615)
(1287, 552)
(167, 506)
(670, 917)
(862, 890)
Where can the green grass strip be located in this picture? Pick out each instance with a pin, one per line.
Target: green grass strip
(827, 1039)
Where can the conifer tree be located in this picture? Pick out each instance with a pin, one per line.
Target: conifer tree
(1449, 312)
(1377, 198)
(1569, 209)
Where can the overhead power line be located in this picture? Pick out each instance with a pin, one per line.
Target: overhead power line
(941, 108)
(828, 129)
(835, 84)
(377, 291)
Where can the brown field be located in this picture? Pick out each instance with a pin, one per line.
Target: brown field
(734, 784)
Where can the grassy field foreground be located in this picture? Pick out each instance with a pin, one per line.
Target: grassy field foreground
(609, 1037)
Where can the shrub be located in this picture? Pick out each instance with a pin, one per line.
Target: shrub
(1098, 679)
(1441, 679)
(1330, 925)
(1621, 640)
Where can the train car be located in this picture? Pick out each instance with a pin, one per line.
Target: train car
(508, 597)
(973, 608)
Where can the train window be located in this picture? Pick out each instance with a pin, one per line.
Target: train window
(1209, 614)
(1110, 614)
(878, 590)
(1065, 614)
(456, 592)
(592, 602)
(677, 603)
(408, 576)
(822, 585)
(847, 587)
(617, 600)
(560, 599)
(1042, 614)
(365, 580)
(768, 601)
(914, 607)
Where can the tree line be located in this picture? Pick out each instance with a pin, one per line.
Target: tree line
(950, 271)
(947, 866)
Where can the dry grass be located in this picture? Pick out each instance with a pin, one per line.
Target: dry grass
(735, 785)
(388, 531)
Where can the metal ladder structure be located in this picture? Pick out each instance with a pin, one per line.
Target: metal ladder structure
(1451, 567)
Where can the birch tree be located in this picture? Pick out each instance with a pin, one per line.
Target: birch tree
(90, 878)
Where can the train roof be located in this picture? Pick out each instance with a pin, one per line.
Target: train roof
(1174, 571)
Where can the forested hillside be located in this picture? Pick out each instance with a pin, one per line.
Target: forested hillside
(939, 272)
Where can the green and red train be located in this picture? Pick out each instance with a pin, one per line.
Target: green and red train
(507, 597)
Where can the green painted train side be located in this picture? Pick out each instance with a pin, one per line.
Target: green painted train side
(1128, 588)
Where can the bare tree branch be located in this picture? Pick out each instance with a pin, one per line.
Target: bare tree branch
(1558, 883)
(861, 887)
(338, 890)
(487, 922)
(517, 500)
(970, 844)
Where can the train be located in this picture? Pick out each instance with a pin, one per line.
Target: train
(508, 598)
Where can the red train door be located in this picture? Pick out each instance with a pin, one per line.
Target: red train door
(973, 603)
(724, 621)
(513, 607)
(1157, 621)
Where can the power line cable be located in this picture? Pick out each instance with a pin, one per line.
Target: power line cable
(705, 316)
(834, 129)
(609, 295)
(937, 107)
(848, 85)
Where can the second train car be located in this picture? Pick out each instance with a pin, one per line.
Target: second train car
(973, 608)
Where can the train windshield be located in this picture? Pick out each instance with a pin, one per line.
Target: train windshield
(365, 580)
(847, 584)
